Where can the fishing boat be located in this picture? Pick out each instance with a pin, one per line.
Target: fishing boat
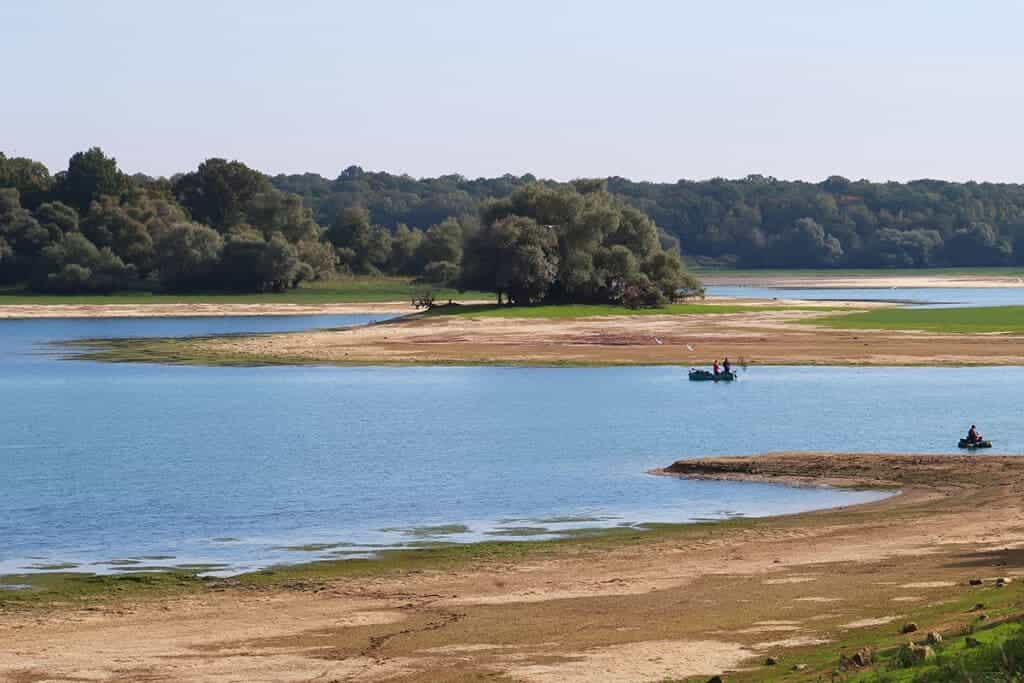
(708, 376)
(971, 445)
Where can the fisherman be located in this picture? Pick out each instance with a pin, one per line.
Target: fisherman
(726, 366)
(973, 436)
(715, 368)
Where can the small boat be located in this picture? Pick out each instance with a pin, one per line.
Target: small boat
(964, 443)
(708, 376)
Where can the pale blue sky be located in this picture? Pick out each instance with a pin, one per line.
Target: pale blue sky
(648, 89)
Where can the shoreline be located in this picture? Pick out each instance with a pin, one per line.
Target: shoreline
(888, 280)
(124, 564)
(782, 586)
(785, 279)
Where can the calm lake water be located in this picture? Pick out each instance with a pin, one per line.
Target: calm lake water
(923, 296)
(114, 467)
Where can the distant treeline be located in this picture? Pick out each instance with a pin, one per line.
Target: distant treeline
(756, 222)
(225, 226)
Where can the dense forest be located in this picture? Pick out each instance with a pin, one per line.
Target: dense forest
(755, 222)
(225, 226)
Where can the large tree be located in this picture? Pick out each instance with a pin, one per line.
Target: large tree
(562, 244)
(218, 192)
(514, 256)
(188, 256)
(90, 175)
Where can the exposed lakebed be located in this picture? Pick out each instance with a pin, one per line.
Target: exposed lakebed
(128, 467)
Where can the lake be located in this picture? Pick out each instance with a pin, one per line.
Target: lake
(117, 467)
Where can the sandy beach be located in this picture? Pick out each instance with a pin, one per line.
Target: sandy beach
(24, 311)
(693, 601)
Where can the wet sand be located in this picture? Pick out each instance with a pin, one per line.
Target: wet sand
(692, 601)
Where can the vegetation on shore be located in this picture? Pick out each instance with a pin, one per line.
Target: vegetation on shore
(1006, 319)
(225, 227)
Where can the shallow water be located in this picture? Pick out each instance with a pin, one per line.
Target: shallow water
(921, 296)
(120, 467)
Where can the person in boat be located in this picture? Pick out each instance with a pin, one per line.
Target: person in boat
(726, 365)
(973, 436)
(715, 368)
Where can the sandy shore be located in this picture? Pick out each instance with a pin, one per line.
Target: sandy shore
(756, 337)
(183, 310)
(694, 601)
(886, 281)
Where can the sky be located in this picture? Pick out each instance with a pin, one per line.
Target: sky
(649, 89)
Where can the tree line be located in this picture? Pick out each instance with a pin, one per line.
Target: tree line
(754, 222)
(225, 226)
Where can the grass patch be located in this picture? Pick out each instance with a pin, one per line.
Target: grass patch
(428, 531)
(572, 311)
(350, 290)
(75, 588)
(957, 320)
(520, 531)
(996, 654)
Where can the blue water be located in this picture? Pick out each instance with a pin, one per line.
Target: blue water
(112, 467)
(922, 296)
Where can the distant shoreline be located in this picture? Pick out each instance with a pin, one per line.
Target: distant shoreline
(823, 280)
(72, 310)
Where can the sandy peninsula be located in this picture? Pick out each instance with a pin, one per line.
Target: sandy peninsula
(688, 601)
(752, 337)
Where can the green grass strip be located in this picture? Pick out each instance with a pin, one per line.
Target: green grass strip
(1008, 319)
(572, 311)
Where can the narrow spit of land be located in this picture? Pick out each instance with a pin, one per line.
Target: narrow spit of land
(675, 602)
(758, 335)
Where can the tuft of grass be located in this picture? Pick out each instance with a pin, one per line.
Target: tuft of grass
(428, 531)
(1006, 319)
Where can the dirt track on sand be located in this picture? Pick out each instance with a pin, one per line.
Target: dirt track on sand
(691, 602)
(757, 337)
